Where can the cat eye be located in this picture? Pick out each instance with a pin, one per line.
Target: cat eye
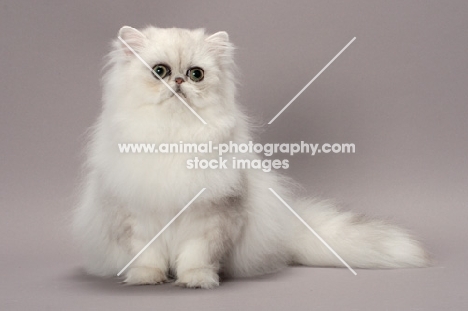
(162, 71)
(196, 74)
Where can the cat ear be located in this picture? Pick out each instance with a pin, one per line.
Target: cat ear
(133, 37)
(219, 37)
(219, 43)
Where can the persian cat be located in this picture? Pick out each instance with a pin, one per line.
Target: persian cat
(236, 227)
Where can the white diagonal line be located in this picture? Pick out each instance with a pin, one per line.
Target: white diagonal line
(159, 233)
(164, 82)
(313, 231)
(310, 82)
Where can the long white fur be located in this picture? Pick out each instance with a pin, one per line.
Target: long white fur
(236, 226)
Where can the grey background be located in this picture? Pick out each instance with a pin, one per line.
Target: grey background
(398, 93)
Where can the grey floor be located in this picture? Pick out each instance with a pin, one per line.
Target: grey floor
(399, 93)
(41, 271)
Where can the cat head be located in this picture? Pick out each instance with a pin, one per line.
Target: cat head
(197, 66)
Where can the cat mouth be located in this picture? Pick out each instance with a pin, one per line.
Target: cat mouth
(179, 92)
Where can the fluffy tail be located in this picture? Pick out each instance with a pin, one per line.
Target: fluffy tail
(361, 242)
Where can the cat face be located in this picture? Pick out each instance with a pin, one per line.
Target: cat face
(193, 64)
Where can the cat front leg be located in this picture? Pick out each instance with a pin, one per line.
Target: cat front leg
(147, 272)
(208, 234)
(198, 265)
(152, 266)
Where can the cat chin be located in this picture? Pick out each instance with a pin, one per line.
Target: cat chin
(181, 94)
(175, 103)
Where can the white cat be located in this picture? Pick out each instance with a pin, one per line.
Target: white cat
(237, 226)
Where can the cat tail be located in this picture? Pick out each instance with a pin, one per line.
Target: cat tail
(359, 241)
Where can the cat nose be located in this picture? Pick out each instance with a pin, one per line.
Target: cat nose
(179, 80)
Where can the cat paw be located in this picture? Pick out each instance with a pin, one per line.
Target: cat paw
(198, 278)
(145, 276)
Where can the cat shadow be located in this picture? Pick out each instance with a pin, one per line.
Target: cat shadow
(114, 285)
(271, 277)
